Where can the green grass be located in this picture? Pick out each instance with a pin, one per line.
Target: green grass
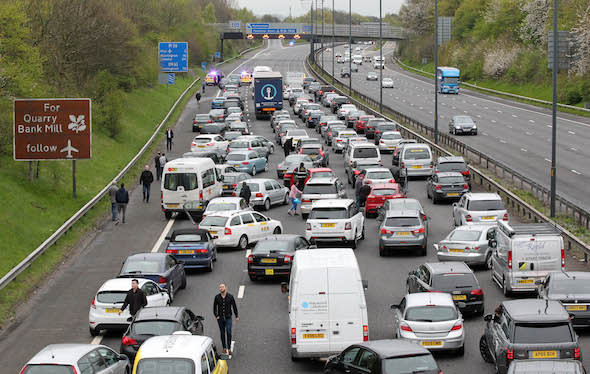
(32, 211)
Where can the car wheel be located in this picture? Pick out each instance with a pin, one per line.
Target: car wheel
(93, 332)
(488, 263)
(243, 243)
(461, 351)
(484, 350)
(183, 284)
(210, 267)
(253, 170)
(286, 199)
(167, 214)
(266, 167)
(354, 241)
(272, 149)
(505, 289)
(253, 277)
(381, 252)
(276, 231)
(267, 204)
(363, 233)
(171, 292)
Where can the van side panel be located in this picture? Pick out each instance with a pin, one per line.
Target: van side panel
(538, 256)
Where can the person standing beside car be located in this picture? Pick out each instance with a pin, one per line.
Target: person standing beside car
(245, 192)
(135, 299)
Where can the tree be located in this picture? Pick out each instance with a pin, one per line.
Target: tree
(581, 37)
(417, 16)
(209, 14)
(533, 29)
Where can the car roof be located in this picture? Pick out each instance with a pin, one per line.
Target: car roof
(570, 275)
(282, 237)
(405, 201)
(62, 353)
(450, 174)
(429, 298)
(535, 310)
(417, 145)
(120, 284)
(388, 348)
(482, 196)
(448, 267)
(403, 212)
(246, 152)
(322, 180)
(443, 159)
(534, 366)
(259, 180)
(474, 227)
(189, 231)
(376, 169)
(228, 199)
(326, 257)
(327, 203)
(148, 255)
(364, 145)
(176, 345)
(159, 312)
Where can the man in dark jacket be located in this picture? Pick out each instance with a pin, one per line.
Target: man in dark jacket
(169, 137)
(364, 192)
(223, 304)
(300, 175)
(245, 192)
(146, 180)
(358, 183)
(288, 146)
(158, 166)
(135, 299)
(122, 197)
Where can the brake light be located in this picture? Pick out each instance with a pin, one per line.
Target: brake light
(386, 232)
(193, 144)
(306, 201)
(245, 163)
(577, 353)
(392, 180)
(308, 226)
(563, 258)
(330, 133)
(128, 341)
(210, 144)
(368, 181)
(210, 121)
(348, 226)
(468, 218)
(510, 354)
(310, 119)
(505, 217)
(171, 250)
(381, 141)
(438, 187)
(465, 186)
(234, 185)
(93, 303)
(365, 333)
(259, 194)
(509, 259)
(405, 327)
(465, 172)
(203, 250)
(293, 335)
(377, 131)
(338, 140)
(287, 259)
(250, 259)
(249, 148)
(457, 326)
(418, 231)
(321, 153)
(194, 121)
(162, 280)
(402, 165)
(477, 292)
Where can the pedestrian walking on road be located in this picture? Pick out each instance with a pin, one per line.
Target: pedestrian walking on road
(158, 166)
(163, 161)
(223, 304)
(203, 86)
(198, 97)
(364, 193)
(301, 175)
(169, 137)
(358, 183)
(294, 195)
(135, 299)
(122, 197)
(245, 192)
(288, 146)
(113, 194)
(146, 180)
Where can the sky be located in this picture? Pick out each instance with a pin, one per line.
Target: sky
(298, 7)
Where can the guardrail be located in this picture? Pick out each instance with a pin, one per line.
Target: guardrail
(512, 200)
(24, 264)
(502, 93)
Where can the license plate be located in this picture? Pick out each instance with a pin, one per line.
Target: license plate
(544, 354)
(313, 336)
(487, 218)
(391, 146)
(225, 187)
(269, 261)
(577, 307)
(328, 225)
(456, 250)
(112, 310)
(237, 165)
(453, 194)
(269, 271)
(526, 281)
(437, 343)
(213, 232)
(459, 297)
(186, 252)
(417, 167)
(403, 233)
(201, 146)
(172, 205)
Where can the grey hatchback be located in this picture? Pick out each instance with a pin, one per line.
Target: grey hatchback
(402, 229)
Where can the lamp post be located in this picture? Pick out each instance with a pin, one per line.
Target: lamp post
(333, 45)
(380, 59)
(554, 112)
(349, 47)
(435, 71)
(322, 34)
(311, 44)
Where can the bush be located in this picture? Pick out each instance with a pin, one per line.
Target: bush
(570, 91)
(107, 103)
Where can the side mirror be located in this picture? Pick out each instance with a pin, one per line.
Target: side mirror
(488, 317)
(365, 284)
(455, 205)
(123, 357)
(168, 238)
(435, 247)
(284, 287)
(394, 306)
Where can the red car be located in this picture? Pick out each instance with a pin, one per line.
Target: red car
(380, 193)
(361, 123)
(288, 179)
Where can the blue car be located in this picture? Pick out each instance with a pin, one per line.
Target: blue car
(246, 161)
(194, 247)
(218, 103)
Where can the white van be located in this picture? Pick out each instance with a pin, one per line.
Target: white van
(357, 59)
(327, 307)
(189, 180)
(365, 152)
(525, 253)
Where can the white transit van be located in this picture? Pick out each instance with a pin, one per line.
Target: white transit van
(525, 253)
(327, 307)
(189, 184)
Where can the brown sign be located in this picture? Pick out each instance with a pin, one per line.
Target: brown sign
(52, 129)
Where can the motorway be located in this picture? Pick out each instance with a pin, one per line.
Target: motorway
(58, 312)
(517, 134)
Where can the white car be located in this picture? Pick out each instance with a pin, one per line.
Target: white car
(387, 83)
(344, 110)
(294, 135)
(339, 141)
(238, 229)
(211, 142)
(389, 140)
(226, 204)
(378, 176)
(335, 220)
(106, 304)
(378, 65)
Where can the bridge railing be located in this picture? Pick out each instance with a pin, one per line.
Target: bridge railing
(367, 30)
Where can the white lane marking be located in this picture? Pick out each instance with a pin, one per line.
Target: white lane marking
(524, 150)
(232, 346)
(499, 111)
(442, 116)
(97, 339)
(421, 108)
(574, 149)
(484, 133)
(529, 133)
(571, 132)
(548, 160)
(478, 116)
(248, 252)
(241, 291)
(509, 126)
(531, 121)
(548, 126)
(454, 107)
(474, 104)
(163, 235)
(515, 116)
(465, 111)
(503, 141)
(493, 121)
(430, 112)
(576, 172)
(485, 107)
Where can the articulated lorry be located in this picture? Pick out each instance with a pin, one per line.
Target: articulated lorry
(268, 93)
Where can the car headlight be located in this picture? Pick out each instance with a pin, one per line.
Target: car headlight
(474, 126)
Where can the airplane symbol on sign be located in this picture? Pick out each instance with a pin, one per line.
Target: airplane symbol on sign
(69, 149)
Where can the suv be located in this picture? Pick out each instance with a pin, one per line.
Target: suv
(362, 151)
(401, 229)
(479, 207)
(528, 328)
(571, 289)
(335, 220)
(319, 189)
(337, 102)
(453, 163)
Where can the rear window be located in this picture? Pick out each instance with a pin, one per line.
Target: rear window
(48, 369)
(310, 151)
(409, 364)
(454, 281)
(417, 154)
(388, 127)
(313, 107)
(402, 221)
(213, 221)
(239, 144)
(483, 205)
(155, 327)
(364, 152)
(569, 286)
(142, 266)
(464, 235)
(392, 136)
(433, 313)
(328, 213)
(111, 297)
(451, 180)
(191, 237)
(202, 140)
(236, 157)
(229, 178)
(384, 191)
(322, 174)
(319, 189)
(542, 333)
(220, 207)
(385, 174)
(174, 180)
(268, 246)
(165, 365)
(452, 166)
(202, 117)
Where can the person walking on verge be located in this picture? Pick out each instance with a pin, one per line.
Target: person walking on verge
(245, 192)
(146, 180)
(358, 183)
(169, 137)
(223, 304)
(288, 146)
(113, 194)
(163, 161)
(157, 166)
(294, 195)
(122, 197)
(135, 299)
(203, 86)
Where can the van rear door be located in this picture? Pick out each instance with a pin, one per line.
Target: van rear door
(312, 311)
(179, 185)
(347, 305)
(534, 257)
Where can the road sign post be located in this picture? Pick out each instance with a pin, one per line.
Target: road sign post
(171, 78)
(204, 65)
(173, 57)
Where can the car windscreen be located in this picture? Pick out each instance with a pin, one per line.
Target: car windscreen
(322, 174)
(319, 189)
(454, 281)
(165, 365)
(542, 333)
(234, 110)
(236, 157)
(296, 159)
(365, 152)
(111, 297)
(48, 369)
(433, 313)
(191, 237)
(239, 144)
(465, 235)
(154, 327)
(328, 213)
(463, 120)
(220, 207)
(313, 107)
(423, 364)
(268, 246)
(417, 154)
(401, 221)
(391, 136)
(174, 180)
(229, 178)
(569, 286)
(451, 180)
(483, 205)
(142, 265)
(202, 140)
(383, 174)
(213, 221)
(452, 166)
(384, 191)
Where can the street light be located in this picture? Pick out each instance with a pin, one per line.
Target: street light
(435, 71)
(322, 34)
(554, 114)
(349, 47)
(333, 45)
(380, 59)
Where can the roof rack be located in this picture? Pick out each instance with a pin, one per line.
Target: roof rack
(531, 229)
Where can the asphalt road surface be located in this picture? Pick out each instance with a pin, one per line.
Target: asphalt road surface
(59, 312)
(516, 134)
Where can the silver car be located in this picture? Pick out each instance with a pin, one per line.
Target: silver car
(430, 319)
(462, 125)
(389, 140)
(339, 139)
(265, 192)
(479, 207)
(378, 176)
(248, 144)
(77, 358)
(320, 189)
(468, 244)
(291, 162)
(403, 229)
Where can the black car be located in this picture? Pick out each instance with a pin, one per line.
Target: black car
(200, 120)
(451, 277)
(231, 181)
(525, 329)
(273, 255)
(453, 163)
(337, 102)
(391, 356)
(162, 268)
(313, 118)
(446, 186)
(216, 156)
(158, 321)
(572, 290)
(380, 128)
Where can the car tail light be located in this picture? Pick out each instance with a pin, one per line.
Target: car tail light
(310, 119)
(330, 133)
(377, 131)
(210, 144)
(509, 259)
(293, 335)
(321, 153)
(249, 148)
(306, 201)
(365, 333)
(210, 121)
(405, 327)
(227, 231)
(505, 217)
(478, 292)
(245, 163)
(563, 258)
(171, 250)
(193, 144)
(510, 354)
(348, 226)
(194, 121)
(381, 141)
(287, 259)
(465, 186)
(259, 194)
(418, 231)
(338, 140)
(402, 165)
(392, 180)
(386, 232)
(234, 185)
(368, 181)
(250, 259)
(438, 187)
(308, 226)
(465, 172)
(202, 250)
(162, 280)
(577, 353)
(93, 303)
(128, 341)
(468, 218)
(457, 326)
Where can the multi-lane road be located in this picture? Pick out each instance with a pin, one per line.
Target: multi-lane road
(59, 311)
(517, 134)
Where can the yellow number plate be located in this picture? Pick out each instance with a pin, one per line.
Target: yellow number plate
(456, 250)
(403, 233)
(269, 271)
(225, 187)
(172, 205)
(313, 336)
(544, 354)
(459, 297)
(269, 260)
(488, 217)
(112, 310)
(213, 232)
(526, 281)
(577, 307)
(437, 343)
(201, 146)
(417, 167)
(453, 194)
(186, 252)
(328, 225)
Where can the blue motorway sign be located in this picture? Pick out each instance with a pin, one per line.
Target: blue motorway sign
(204, 65)
(270, 28)
(173, 56)
(171, 78)
(217, 54)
